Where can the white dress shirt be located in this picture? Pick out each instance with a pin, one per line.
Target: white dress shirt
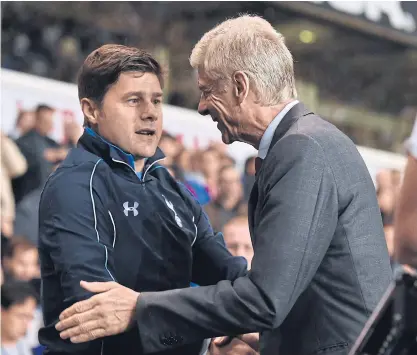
(269, 132)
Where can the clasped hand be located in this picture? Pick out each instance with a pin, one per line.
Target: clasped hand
(112, 310)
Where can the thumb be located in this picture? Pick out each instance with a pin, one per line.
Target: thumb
(222, 341)
(97, 287)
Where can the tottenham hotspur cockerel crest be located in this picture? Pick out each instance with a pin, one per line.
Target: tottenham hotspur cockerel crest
(171, 207)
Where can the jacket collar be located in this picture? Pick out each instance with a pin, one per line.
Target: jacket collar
(291, 117)
(99, 146)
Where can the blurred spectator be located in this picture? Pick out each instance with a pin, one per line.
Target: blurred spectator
(386, 195)
(224, 158)
(18, 305)
(183, 160)
(386, 201)
(195, 173)
(171, 148)
(396, 180)
(229, 202)
(210, 161)
(238, 241)
(26, 222)
(248, 177)
(189, 165)
(40, 151)
(177, 161)
(24, 123)
(13, 164)
(406, 217)
(20, 260)
(389, 237)
(227, 160)
(220, 147)
(72, 132)
(237, 238)
(384, 180)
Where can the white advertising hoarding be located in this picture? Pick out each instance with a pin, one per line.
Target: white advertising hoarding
(23, 91)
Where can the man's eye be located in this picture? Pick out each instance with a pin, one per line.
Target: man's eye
(133, 101)
(156, 102)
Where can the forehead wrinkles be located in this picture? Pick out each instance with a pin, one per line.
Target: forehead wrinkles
(208, 84)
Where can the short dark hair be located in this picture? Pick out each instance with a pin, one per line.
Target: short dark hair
(16, 292)
(103, 66)
(17, 242)
(43, 107)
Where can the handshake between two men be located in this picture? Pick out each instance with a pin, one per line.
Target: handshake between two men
(112, 311)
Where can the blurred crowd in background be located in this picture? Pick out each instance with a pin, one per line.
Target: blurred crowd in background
(29, 156)
(344, 75)
(366, 85)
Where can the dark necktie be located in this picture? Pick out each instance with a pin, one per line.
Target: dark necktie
(258, 164)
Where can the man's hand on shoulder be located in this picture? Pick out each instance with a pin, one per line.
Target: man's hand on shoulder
(109, 312)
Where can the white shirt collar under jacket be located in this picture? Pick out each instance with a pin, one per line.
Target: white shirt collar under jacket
(269, 133)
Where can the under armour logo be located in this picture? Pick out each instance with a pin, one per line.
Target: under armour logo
(133, 209)
(171, 207)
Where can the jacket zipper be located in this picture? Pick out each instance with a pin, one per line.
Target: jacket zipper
(147, 169)
(144, 174)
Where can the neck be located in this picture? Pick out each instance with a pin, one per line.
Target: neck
(139, 164)
(262, 118)
(7, 341)
(40, 131)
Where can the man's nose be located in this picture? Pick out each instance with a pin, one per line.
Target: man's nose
(149, 114)
(202, 107)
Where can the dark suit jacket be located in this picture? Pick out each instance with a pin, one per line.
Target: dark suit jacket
(321, 262)
(33, 146)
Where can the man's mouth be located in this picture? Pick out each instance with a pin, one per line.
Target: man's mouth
(146, 132)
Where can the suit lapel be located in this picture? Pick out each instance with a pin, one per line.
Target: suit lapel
(299, 110)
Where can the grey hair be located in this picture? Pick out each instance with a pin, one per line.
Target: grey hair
(251, 45)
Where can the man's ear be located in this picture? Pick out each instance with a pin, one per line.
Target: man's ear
(90, 111)
(240, 86)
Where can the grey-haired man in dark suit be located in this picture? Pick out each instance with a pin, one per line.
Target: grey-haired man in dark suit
(320, 262)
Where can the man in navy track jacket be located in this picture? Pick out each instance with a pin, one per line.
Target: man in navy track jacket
(110, 212)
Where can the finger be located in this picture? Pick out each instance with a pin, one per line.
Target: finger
(95, 334)
(79, 307)
(76, 319)
(98, 287)
(83, 328)
(222, 341)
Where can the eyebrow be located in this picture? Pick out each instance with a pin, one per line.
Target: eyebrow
(142, 93)
(203, 87)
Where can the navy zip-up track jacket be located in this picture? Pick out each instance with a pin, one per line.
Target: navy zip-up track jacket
(101, 221)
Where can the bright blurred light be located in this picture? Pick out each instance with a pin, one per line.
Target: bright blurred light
(307, 36)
